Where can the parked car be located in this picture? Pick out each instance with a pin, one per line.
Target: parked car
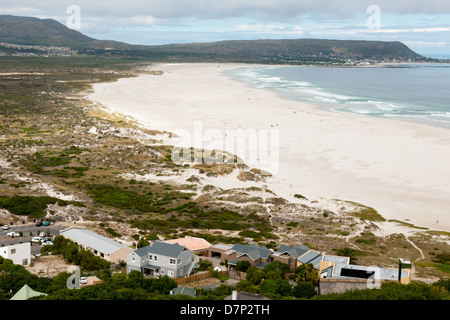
(36, 239)
(42, 234)
(13, 234)
(47, 243)
(83, 280)
(46, 223)
(39, 223)
(6, 227)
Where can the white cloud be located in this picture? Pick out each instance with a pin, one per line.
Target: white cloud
(259, 28)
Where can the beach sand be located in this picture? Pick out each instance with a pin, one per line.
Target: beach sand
(400, 169)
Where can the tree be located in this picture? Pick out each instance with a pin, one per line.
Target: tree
(276, 287)
(306, 273)
(347, 252)
(247, 286)
(276, 270)
(304, 290)
(254, 275)
(242, 265)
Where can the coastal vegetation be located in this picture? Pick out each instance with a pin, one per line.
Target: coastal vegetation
(65, 159)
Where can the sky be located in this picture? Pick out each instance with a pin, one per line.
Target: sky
(423, 25)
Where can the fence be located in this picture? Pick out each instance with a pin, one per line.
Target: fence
(199, 276)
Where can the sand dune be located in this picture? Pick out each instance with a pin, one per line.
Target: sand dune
(400, 169)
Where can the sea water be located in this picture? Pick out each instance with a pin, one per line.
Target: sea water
(418, 92)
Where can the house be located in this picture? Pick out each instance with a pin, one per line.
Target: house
(290, 255)
(161, 259)
(99, 245)
(26, 292)
(196, 245)
(242, 295)
(184, 291)
(332, 267)
(257, 256)
(219, 251)
(18, 253)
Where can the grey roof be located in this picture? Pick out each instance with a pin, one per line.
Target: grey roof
(242, 295)
(93, 240)
(311, 257)
(294, 252)
(184, 290)
(252, 251)
(381, 273)
(161, 248)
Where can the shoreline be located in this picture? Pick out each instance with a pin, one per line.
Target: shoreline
(320, 154)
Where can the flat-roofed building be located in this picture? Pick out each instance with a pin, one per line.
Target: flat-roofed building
(196, 245)
(19, 253)
(99, 245)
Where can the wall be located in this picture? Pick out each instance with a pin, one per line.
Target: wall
(341, 285)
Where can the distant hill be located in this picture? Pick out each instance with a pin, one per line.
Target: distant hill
(48, 32)
(292, 49)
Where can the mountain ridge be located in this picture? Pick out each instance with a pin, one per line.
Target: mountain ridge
(49, 32)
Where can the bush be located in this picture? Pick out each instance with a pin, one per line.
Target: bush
(304, 290)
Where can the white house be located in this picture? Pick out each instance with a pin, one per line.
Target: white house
(18, 253)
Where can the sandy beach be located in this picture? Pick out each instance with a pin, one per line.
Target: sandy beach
(401, 169)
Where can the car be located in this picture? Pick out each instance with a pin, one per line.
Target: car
(42, 234)
(83, 280)
(13, 234)
(39, 223)
(6, 227)
(46, 223)
(36, 239)
(47, 243)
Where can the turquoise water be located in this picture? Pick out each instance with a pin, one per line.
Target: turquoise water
(412, 92)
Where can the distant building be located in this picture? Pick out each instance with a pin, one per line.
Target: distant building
(184, 291)
(290, 255)
(161, 259)
(26, 292)
(337, 275)
(196, 245)
(242, 295)
(18, 253)
(99, 245)
(258, 256)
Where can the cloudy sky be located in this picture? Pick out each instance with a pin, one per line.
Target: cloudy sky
(423, 25)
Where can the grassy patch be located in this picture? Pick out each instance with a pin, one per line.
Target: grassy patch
(31, 206)
(365, 212)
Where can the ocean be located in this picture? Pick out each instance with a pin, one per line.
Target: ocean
(418, 92)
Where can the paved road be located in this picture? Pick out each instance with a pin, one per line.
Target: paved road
(26, 229)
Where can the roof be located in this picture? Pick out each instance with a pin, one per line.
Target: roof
(312, 257)
(93, 240)
(222, 246)
(184, 290)
(161, 248)
(252, 251)
(379, 273)
(192, 243)
(242, 295)
(294, 252)
(26, 292)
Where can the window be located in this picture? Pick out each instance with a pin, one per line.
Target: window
(150, 257)
(13, 251)
(189, 258)
(24, 262)
(171, 273)
(179, 261)
(156, 258)
(172, 261)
